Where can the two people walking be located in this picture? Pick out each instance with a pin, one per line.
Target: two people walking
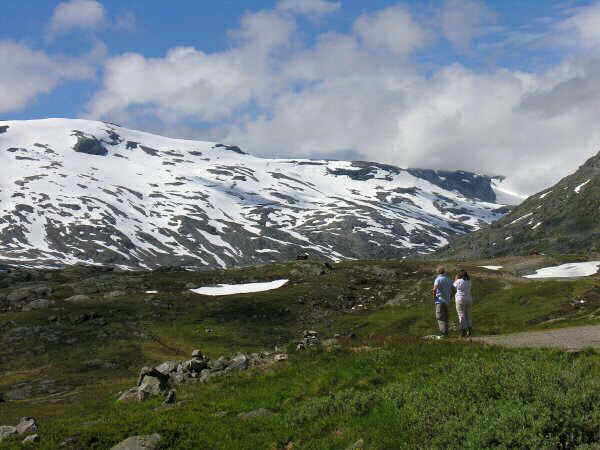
(443, 291)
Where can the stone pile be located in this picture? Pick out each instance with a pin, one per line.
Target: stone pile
(161, 379)
(27, 428)
(310, 338)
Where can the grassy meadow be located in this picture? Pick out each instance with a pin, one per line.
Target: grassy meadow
(383, 387)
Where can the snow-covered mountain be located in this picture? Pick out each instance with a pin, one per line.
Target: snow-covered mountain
(76, 191)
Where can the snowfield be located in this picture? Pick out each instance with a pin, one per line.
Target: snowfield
(79, 191)
(492, 267)
(571, 270)
(231, 289)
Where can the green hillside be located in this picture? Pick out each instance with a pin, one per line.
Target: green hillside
(564, 218)
(378, 383)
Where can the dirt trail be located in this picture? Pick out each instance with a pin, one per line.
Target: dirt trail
(574, 338)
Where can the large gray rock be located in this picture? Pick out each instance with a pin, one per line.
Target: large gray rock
(194, 365)
(239, 362)
(167, 367)
(152, 385)
(130, 396)
(31, 439)
(148, 442)
(7, 432)
(27, 425)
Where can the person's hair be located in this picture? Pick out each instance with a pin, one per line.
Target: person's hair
(441, 270)
(464, 275)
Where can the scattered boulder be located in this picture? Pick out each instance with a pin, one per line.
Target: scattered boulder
(114, 294)
(31, 439)
(310, 338)
(159, 380)
(239, 362)
(7, 432)
(167, 367)
(152, 381)
(27, 425)
(148, 442)
(358, 445)
(130, 395)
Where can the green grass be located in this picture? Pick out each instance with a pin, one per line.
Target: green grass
(401, 393)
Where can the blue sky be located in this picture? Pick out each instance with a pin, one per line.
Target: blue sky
(470, 84)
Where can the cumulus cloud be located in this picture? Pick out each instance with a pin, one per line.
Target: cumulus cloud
(391, 29)
(309, 7)
(363, 94)
(76, 14)
(464, 20)
(32, 72)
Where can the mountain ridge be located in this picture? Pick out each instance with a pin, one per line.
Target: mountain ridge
(79, 191)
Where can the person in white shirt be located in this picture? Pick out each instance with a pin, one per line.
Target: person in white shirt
(464, 303)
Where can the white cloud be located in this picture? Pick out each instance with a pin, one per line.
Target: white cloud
(309, 7)
(362, 94)
(582, 28)
(31, 73)
(76, 14)
(392, 29)
(464, 20)
(190, 82)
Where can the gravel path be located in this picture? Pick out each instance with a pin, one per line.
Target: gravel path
(574, 338)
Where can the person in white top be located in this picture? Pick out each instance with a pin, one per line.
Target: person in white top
(464, 303)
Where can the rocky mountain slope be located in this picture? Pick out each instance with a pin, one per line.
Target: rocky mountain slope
(76, 191)
(564, 218)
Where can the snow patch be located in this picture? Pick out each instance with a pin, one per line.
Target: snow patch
(570, 270)
(521, 218)
(492, 267)
(578, 188)
(231, 289)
